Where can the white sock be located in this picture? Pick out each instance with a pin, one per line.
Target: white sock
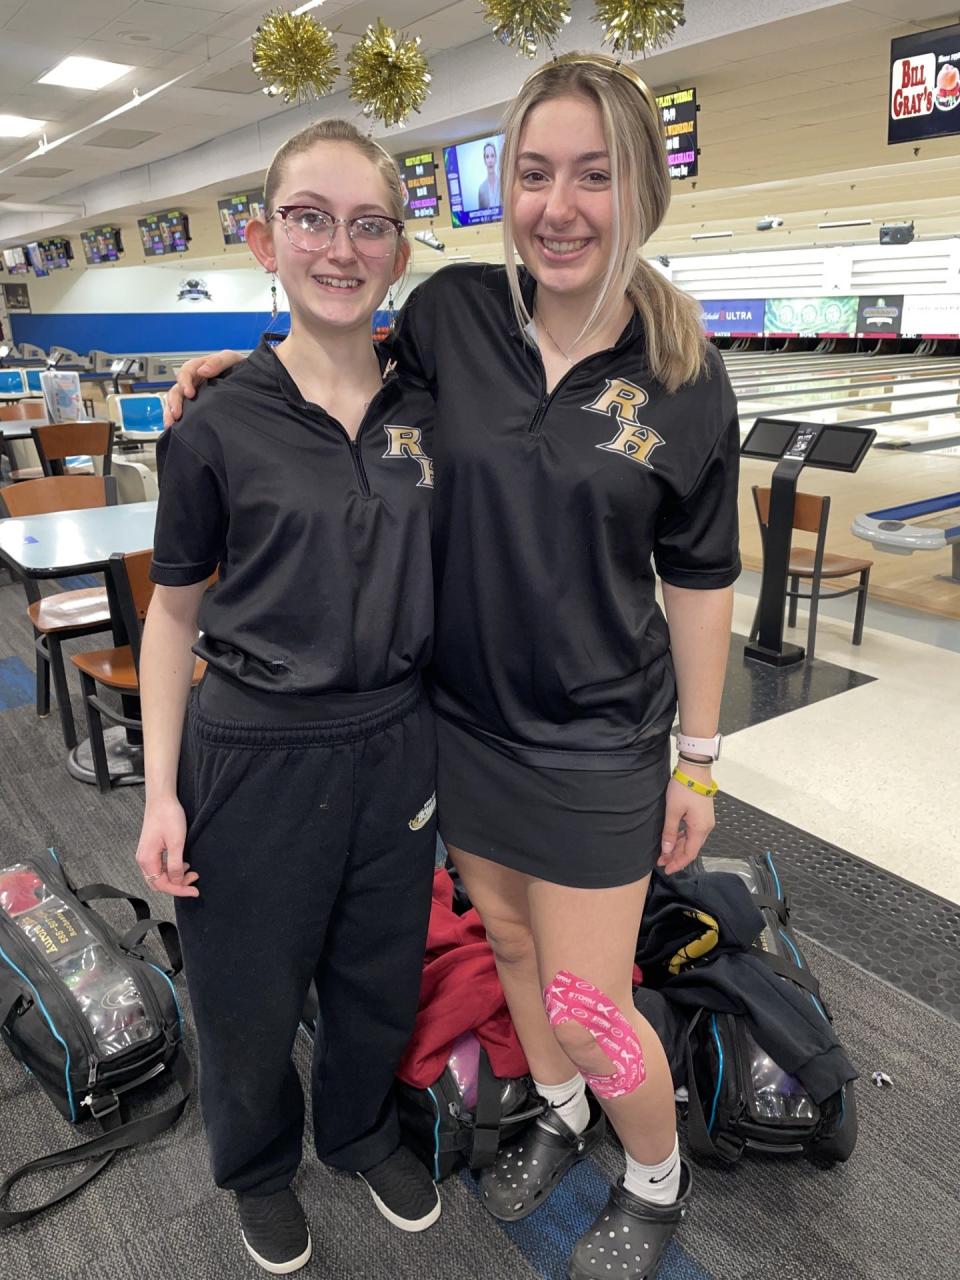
(658, 1183)
(569, 1101)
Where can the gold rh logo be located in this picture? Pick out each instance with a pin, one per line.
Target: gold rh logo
(621, 400)
(404, 442)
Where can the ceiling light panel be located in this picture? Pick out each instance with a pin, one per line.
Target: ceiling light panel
(19, 126)
(85, 73)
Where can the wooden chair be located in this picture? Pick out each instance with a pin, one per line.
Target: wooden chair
(118, 668)
(810, 515)
(58, 441)
(68, 614)
(22, 411)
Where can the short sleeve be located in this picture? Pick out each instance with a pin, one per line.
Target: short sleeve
(191, 528)
(697, 536)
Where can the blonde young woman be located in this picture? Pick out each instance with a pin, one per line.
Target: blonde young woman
(589, 443)
(303, 795)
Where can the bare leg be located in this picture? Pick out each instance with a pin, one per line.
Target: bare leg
(500, 895)
(593, 933)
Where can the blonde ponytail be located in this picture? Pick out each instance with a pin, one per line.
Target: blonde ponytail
(675, 340)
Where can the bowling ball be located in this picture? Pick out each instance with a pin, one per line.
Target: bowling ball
(20, 889)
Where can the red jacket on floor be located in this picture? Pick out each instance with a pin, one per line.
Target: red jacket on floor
(460, 992)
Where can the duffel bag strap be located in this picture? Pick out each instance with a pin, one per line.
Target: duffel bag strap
(724, 1147)
(486, 1126)
(787, 969)
(168, 936)
(120, 1134)
(88, 893)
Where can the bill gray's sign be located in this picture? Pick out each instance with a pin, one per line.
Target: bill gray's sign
(924, 85)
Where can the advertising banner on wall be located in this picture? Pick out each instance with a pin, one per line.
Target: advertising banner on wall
(924, 85)
(879, 317)
(733, 317)
(811, 317)
(931, 316)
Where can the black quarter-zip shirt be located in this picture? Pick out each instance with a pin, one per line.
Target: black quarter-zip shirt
(553, 514)
(323, 543)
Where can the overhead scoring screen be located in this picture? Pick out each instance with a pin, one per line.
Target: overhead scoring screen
(162, 233)
(236, 212)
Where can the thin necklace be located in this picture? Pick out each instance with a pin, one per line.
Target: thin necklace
(539, 319)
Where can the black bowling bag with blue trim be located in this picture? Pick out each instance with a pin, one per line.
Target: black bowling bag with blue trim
(739, 1099)
(86, 1012)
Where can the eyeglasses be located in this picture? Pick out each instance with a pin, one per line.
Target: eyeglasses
(373, 234)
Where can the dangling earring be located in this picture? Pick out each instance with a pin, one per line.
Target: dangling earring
(273, 298)
(391, 309)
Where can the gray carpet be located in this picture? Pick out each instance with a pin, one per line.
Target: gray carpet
(155, 1213)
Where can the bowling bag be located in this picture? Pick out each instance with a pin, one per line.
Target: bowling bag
(467, 1114)
(739, 1099)
(86, 1013)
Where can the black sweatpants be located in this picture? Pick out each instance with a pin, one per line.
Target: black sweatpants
(310, 824)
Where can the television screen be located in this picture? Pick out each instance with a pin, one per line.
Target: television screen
(35, 254)
(678, 110)
(101, 244)
(236, 212)
(473, 181)
(418, 177)
(162, 233)
(15, 260)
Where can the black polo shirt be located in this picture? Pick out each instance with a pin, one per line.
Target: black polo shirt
(552, 516)
(323, 544)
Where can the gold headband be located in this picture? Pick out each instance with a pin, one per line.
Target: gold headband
(605, 63)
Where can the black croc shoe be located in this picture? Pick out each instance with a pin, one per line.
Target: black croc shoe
(630, 1237)
(528, 1168)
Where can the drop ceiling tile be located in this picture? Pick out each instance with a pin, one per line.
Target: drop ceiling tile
(239, 79)
(122, 139)
(41, 171)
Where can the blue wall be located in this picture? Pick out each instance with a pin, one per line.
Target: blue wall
(147, 331)
(155, 330)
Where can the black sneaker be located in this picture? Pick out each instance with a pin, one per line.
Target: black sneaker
(275, 1231)
(403, 1191)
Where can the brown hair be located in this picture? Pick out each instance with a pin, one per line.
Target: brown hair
(336, 131)
(676, 344)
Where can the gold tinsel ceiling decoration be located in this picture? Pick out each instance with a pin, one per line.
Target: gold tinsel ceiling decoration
(389, 76)
(637, 26)
(294, 56)
(527, 24)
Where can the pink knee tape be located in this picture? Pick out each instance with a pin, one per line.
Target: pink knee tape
(570, 999)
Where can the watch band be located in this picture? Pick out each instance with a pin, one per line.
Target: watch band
(700, 746)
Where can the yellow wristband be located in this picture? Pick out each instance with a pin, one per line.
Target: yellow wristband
(700, 788)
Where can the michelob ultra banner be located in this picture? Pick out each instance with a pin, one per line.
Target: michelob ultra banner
(924, 85)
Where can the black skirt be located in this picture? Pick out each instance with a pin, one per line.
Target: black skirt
(585, 828)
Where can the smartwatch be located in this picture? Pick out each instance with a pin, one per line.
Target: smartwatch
(709, 747)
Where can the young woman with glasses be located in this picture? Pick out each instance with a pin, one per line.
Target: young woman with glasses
(294, 825)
